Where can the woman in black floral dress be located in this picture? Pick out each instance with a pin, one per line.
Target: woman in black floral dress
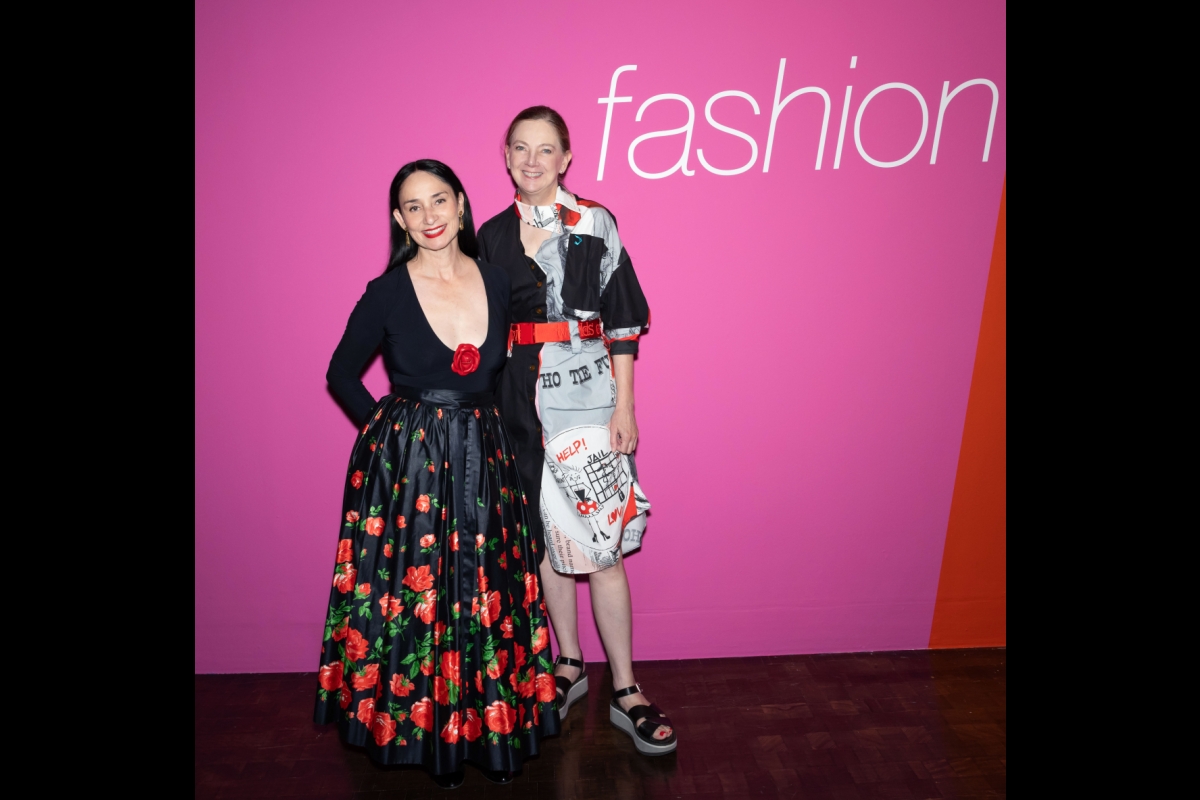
(435, 647)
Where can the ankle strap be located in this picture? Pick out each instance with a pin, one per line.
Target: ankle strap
(570, 662)
(628, 690)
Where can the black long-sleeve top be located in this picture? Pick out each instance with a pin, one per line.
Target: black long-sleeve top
(389, 316)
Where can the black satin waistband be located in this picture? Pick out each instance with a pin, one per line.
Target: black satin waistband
(447, 398)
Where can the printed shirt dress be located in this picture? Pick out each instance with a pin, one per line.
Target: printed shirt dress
(558, 397)
(435, 648)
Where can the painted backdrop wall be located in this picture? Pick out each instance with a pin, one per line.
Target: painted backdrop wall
(816, 287)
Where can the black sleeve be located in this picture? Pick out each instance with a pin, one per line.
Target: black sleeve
(363, 334)
(623, 308)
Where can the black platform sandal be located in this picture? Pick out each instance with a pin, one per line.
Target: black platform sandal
(451, 780)
(569, 691)
(633, 722)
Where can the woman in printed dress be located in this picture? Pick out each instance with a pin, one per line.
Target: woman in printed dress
(567, 396)
(436, 648)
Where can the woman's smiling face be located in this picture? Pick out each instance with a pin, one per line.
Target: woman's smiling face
(428, 210)
(536, 160)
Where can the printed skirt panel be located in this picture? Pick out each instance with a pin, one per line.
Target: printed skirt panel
(436, 648)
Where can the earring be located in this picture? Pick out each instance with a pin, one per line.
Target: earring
(407, 241)
(460, 222)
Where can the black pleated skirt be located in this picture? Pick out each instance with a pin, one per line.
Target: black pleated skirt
(436, 649)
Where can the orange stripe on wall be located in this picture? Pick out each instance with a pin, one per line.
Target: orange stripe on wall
(972, 593)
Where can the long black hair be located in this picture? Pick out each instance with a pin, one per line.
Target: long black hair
(402, 253)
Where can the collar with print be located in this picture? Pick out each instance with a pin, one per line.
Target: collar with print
(560, 218)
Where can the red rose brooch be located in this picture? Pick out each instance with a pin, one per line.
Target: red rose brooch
(466, 359)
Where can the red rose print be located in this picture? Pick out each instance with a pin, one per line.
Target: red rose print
(344, 696)
(418, 578)
(383, 728)
(518, 656)
(545, 687)
(423, 503)
(500, 717)
(387, 551)
(489, 611)
(427, 540)
(396, 427)
(466, 360)
(351, 516)
(366, 428)
(373, 447)
(504, 533)
(472, 725)
(451, 667)
(374, 526)
(444, 512)
(499, 455)
(536, 715)
(516, 552)
(356, 480)
(506, 627)
(439, 630)
(401, 686)
(401, 522)
(427, 665)
(422, 714)
(479, 681)
(343, 578)
(390, 607)
(502, 561)
(426, 606)
(330, 677)
(440, 693)
(356, 646)
(482, 581)
(454, 541)
(451, 732)
(367, 678)
(495, 667)
(366, 711)
(363, 590)
(531, 589)
(522, 687)
(345, 551)
(474, 606)
(340, 632)
(540, 639)
(479, 540)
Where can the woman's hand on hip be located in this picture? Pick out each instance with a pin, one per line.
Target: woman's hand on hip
(622, 430)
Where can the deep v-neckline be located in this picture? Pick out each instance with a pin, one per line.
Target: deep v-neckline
(487, 302)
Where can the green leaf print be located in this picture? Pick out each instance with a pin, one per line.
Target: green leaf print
(384, 573)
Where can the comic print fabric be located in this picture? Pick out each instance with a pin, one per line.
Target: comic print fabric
(576, 388)
(436, 649)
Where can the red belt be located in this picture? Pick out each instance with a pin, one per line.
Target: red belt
(540, 332)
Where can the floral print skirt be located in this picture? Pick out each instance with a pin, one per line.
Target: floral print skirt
(436, 649)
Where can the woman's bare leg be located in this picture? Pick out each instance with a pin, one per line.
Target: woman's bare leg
(559, 591)
(614, 618)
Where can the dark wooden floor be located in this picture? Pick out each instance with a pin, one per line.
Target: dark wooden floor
(914, 724)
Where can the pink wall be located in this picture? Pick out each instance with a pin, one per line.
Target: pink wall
(802, 392)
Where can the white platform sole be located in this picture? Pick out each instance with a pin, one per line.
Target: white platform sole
(577, 691)
(619, 718)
